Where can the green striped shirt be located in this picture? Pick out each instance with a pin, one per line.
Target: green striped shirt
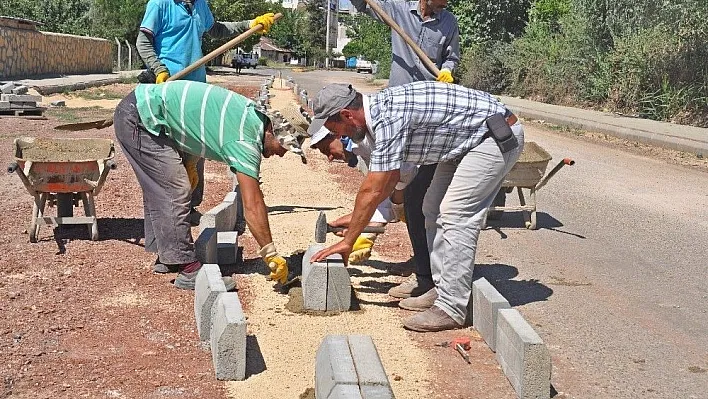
(205, 120)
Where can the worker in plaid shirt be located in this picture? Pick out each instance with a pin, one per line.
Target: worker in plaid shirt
(425, 123)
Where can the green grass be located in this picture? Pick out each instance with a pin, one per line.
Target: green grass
(97, 94)
(73, 115)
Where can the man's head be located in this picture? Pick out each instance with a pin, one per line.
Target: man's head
(330, 146)
(339, 108)
(282, 136)
(429, 7)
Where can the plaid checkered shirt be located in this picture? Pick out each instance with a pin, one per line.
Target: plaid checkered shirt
(427, 122)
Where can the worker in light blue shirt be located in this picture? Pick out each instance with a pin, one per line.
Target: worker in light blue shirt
(170, 39)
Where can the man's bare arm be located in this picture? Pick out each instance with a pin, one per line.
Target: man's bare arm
(254, 209)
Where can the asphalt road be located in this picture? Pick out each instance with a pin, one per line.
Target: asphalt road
(616, 278)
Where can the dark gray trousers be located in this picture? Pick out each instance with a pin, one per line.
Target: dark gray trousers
(164, 182)
(415, 221)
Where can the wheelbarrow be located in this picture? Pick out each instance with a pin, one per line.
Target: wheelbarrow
(527, 174)
(62, 171)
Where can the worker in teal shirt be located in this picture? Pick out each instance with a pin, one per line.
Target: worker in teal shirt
(170, 39)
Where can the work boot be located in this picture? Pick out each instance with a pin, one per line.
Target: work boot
(187, 278)
(414, 285)
(420, 303)
(162, 268)
(433, 319)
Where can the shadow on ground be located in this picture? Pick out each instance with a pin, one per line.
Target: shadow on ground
(255, 363)
(130, 230)
(515, 220)
(282, 209)
(517, 292)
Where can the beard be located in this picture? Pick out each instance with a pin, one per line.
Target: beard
(358, 134)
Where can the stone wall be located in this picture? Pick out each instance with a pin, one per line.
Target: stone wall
(26, 53)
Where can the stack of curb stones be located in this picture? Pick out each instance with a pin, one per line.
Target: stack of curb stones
(14, 101)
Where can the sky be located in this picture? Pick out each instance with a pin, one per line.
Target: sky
(344, 4)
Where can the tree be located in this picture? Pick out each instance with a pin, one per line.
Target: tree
(117, 18)
(369, 38)
(484, 20)
(62, 16)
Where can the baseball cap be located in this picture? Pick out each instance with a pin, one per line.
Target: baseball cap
(329, 101)
(319, 136)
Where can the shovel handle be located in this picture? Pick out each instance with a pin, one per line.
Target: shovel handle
(224, 48)
(416, 49)
(372, 229)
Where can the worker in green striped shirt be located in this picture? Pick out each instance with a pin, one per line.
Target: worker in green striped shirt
(158, 125)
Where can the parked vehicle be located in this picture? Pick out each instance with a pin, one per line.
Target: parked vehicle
(244, 61)
(363, 65)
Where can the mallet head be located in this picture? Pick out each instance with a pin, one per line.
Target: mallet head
(321, 228)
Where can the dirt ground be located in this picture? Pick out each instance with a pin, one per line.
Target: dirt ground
(89, 319)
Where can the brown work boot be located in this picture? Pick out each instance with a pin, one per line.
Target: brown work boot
(420, 303)
(433, 319)
(412, 286)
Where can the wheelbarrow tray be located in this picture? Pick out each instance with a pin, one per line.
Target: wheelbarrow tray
(530, 168)
(63, 171)
(63, 165)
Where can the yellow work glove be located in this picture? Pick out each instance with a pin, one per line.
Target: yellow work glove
(277, 264)
(267, 20)
(445, 76)
(190, 164)
(162, 77)
(361, 250)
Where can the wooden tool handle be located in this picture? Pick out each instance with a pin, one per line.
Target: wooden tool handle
(224, 48)
(390, 22)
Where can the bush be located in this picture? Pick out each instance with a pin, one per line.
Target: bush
(263, 61)
(483, 67)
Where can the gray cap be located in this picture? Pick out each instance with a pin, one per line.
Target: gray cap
(329, 101)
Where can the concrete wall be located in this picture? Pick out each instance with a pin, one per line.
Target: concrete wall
(26, 53)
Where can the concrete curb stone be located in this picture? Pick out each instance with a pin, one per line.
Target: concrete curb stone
(523, 356)
(221, 217)
(228, 338)
(227, 247)
(485, 305)
(205, 246)
(208, 286)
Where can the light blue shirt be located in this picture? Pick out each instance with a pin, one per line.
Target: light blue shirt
(177, 34)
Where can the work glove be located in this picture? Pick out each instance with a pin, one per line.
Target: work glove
(162, 77)
(267, 20)
(190, 164)
(277, 264)
(399, 212)
(361, 250)
(445, 76)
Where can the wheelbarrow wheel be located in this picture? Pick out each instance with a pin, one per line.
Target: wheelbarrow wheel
(531, 224)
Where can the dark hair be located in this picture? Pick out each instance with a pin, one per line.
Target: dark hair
(356, 104)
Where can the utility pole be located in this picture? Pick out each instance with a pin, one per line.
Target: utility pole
(329, 7)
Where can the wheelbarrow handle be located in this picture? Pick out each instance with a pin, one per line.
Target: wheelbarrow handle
(565, 161)
(11, 168)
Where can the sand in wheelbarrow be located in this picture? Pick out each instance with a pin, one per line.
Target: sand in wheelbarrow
(533, 153)
(49, 150)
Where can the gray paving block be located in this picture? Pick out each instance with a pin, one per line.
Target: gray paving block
(486, 302)
(19, 90)
(345, 392)
(4, 105)
(314, 280)
(205, 246)
(523, 356)
(369, 369)
(231, 197)
(227, 247)
(334, 366)
(207, 288)
(228, 338)
(339, 285)
(221, 217)
(58, 103)
(25, 98)
(6, 88)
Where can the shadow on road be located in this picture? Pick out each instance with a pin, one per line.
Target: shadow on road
(517, 292)
(255, 363)
(130, 230)
(515, 220)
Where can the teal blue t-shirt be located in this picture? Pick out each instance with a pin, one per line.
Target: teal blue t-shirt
(177, 34)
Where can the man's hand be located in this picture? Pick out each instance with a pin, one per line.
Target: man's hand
(276, 263)
(190, 164)
(361, 250)
(445, 76)
(267, 20)
(339, 248)
(278, 269)
(162, 77)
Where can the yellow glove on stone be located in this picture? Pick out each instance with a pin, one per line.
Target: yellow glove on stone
(162, 77)
(190, 164)
(267, 20)
(445, 76)
(277, 264)
(361, 250)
